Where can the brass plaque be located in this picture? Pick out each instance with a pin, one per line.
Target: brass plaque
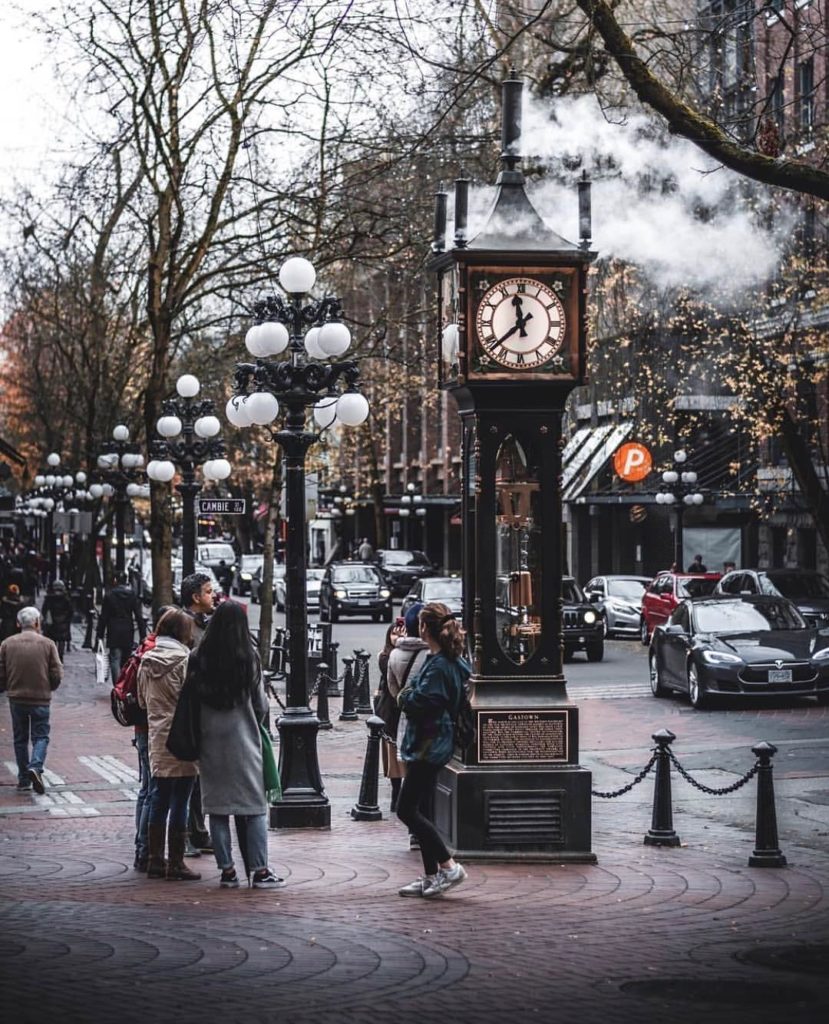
(528, 736)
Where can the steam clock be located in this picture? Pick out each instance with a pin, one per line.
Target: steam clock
(512, 348)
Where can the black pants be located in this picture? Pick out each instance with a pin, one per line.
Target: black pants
(419, 786)
(199, 835)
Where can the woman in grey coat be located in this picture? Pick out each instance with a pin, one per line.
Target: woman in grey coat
(228, 681)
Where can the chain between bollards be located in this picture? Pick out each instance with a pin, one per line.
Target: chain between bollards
(367, 807)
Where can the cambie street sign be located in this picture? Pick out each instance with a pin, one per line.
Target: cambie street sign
(222, 506)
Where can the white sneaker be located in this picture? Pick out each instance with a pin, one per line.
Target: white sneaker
(416, 888)
(268, 881)
(445, 879)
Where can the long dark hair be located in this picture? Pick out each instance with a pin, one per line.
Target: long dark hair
(224, 666)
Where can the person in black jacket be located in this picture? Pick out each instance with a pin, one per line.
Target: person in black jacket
(56, 616)
(120, 607)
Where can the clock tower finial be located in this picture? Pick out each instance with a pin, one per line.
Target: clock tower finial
(511, 91)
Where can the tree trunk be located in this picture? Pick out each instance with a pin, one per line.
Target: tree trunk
(803, 469)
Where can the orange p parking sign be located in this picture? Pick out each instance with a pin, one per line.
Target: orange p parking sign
(632, 462)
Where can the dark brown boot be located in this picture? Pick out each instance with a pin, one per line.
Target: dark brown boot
(177, 870)
(155, 842)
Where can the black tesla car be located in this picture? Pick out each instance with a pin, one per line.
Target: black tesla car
(746, 645)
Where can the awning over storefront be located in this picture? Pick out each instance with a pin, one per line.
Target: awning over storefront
(586, 454)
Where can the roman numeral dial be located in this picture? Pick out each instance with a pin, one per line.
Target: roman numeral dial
(520, 323)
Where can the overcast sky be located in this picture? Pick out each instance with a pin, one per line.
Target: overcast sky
(31, 108)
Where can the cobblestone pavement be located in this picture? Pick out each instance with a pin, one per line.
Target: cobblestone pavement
(684, 934)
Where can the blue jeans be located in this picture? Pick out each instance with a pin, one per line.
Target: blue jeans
(251, 835)
(29, 719)
(118, 657)
(145, 791)
(170, 796)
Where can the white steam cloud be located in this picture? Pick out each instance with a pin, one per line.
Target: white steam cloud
(658, 201)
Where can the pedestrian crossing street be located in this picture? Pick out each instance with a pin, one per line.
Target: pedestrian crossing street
(64, 800)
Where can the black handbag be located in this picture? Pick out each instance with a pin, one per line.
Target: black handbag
(184, 739)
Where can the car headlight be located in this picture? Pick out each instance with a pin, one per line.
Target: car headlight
(821, 655)
(246, 576)
(720, 658)
(385, 593)
(590, 617)
(341, 595)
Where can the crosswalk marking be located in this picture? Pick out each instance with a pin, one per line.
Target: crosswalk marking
(609, 691)
(65, 804)
(113, 770)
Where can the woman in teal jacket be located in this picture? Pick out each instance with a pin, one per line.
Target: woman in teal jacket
(430, 702)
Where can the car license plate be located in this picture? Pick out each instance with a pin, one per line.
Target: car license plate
(780, 675)
(363, 601)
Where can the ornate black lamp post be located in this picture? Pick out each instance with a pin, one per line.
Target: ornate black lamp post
(411, 505)
(680, 492)
(344, 510)
(189, 428)
(51, 488)
(120, 466)
(308, 333)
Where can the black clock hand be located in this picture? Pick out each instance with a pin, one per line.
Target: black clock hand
(509, 334)
(522, 323)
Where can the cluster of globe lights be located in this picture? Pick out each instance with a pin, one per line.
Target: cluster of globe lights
(169, 426)
(671, 477)
(110, 462)
(330, 341)
(41, 506)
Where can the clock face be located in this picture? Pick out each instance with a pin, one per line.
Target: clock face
(521, 323)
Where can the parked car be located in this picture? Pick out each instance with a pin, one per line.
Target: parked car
(581, 623)
(746, 645)
(619, 601)
(446, 589)
(354, 588)
(402, 568)
(245, 570)
(809, 590)
(665, 592)
(313, 581)
(256, 581)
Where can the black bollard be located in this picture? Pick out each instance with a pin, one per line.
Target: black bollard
(367, 808)
(767, 853)
(322, 696)
(661, 832)
(333, 686)
(348, 714)
(362, 687)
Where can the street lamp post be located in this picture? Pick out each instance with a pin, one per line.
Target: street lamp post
(51, 489)
(189, 428)
(309, 333)
(411, 505)
(120, 465)
(679, 491)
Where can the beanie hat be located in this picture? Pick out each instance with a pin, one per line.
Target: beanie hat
(411, 620)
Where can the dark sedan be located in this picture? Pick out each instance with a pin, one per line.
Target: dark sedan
(401, 568)
(739, 646)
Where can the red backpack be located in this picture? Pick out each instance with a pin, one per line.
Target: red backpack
(124, 694)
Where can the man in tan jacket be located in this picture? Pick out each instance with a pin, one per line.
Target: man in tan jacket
(30, 670)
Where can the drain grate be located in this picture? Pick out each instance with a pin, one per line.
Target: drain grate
(798, 959)
(727, 991)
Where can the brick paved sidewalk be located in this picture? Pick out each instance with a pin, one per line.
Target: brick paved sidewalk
(685, 935)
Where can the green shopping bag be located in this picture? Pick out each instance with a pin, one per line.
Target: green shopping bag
(270, 771)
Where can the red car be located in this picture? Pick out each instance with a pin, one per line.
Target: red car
(665, 593)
